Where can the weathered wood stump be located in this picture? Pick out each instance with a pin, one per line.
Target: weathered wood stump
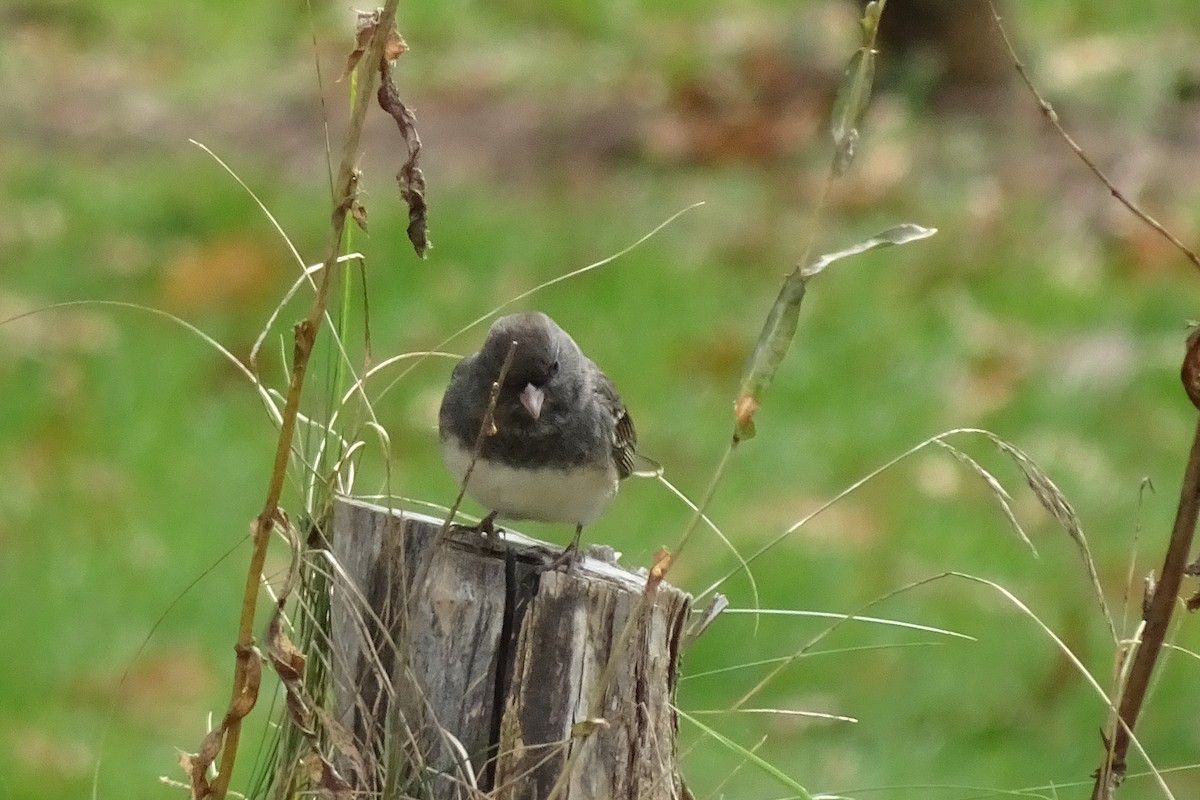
(463, 668)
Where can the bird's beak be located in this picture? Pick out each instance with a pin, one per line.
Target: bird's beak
(532, 398)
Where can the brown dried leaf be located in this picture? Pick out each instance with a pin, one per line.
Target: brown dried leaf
(288, 662)
(363, 30)
(343, 741)
(410, 178)
(325, 777)
(395, 46)
(660, 563)
(358, 212)
(196, 764)
(286, 658)
(248, 692)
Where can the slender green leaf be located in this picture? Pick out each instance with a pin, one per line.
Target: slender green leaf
(850, 106)
(854, 92)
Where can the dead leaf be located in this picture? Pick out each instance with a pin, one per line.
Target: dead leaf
(393, 48)
(410, 178)
(196, 764)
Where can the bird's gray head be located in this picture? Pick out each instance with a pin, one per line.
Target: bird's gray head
(542, 350)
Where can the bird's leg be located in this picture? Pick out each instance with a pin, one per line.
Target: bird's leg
(487, 525)
(569, 554)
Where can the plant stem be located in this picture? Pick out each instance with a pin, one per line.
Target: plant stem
(305, 336)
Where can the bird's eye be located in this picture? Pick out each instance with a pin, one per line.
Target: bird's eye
(554, 368)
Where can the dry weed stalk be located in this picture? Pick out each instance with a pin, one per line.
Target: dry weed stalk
(248, 666)
(1164, 596)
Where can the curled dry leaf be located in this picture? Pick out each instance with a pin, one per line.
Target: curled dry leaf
(660, 564)
(247, 694)
(358, 212)
(286, 658)
(342, 740)
(410, 178)
(364, 29)
(288, 663)
(196, 764)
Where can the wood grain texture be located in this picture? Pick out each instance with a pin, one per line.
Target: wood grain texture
(494, 677)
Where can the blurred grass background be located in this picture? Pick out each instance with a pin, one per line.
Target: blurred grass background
(133, 456)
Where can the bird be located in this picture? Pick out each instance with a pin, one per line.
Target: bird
(559, 440)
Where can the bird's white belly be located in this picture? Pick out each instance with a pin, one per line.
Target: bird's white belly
(575, 496)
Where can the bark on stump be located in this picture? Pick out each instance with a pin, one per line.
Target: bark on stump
(464, 669)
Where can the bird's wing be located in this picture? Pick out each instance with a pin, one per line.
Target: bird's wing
(624, 441)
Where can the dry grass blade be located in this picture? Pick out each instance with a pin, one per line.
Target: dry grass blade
(780, 659)
(1076, 663)
(783, 712)
(858, 484)
(719, 534)
(1055, 502)
(487, 427)
(1003, 498)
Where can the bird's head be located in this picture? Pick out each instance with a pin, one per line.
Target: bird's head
(535, 363)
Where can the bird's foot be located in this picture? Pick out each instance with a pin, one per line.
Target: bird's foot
(486, 527)
(569, 557)
(566, 560)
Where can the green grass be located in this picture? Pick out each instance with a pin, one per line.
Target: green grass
(135, 456)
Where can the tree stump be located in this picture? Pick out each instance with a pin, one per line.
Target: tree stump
(463, 668)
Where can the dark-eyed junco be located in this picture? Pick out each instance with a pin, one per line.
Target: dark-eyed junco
(562, 437)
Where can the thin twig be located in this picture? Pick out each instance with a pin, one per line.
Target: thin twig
(305, 336)
(1050, 114)
(1162, 601)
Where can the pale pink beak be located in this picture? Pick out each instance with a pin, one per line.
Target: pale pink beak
(532, 398)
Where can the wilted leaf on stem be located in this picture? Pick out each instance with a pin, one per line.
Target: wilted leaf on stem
(780, 328)
(410, 178)
(773, 343)
(364, 29)
(196, 764)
